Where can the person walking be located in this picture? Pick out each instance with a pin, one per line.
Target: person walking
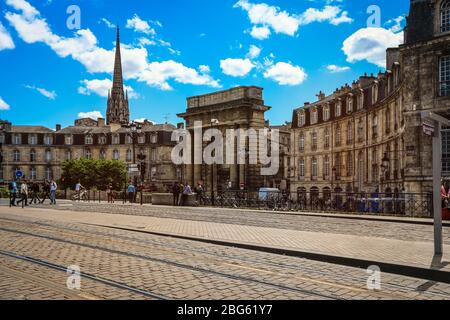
(110, 193)
(186, 192)
(46, 190)
(23, 194)
(53, 188)
(78, 188)
(200, 194)
(35, 193)
(12, 193)
(176, 194)
(131, 190)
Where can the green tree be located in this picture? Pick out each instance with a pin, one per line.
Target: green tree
(94, 173)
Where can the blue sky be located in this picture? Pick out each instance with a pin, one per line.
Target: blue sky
(175, 49)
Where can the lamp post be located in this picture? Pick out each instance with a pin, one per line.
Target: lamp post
(135, 130)
(385, 168)
(213, 122)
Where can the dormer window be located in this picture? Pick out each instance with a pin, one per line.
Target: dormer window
(375, 93)
(48, 140)
(17, 138)
(326, 113)
(115, 139)
(445, 16)
(350, 104)
(32, 139)
(102, 139)
(338, 110)
(301, 118)
(314, 117)
(68, 140)
(361, 101)
(89, 139)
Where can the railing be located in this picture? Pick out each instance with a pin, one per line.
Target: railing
(402, 204)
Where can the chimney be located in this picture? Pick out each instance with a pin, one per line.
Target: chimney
(101, 122)
(58, 127)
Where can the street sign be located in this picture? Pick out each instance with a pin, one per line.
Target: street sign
(19, 174)
(428, 128)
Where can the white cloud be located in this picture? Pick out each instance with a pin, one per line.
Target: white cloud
(46, 93)
(108, 23)
(286, 74)
(265, 18)
(336, 69)
(370, 44)
(6, 42)
(83, 47)
(140, 25)
(260, 33)
(4, 105)
(204, 69)
(94, 115)
(254, 52)
(396, 24)
(236, 67)
(101, 88)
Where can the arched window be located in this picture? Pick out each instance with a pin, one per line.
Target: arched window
(102, 139)
(102, 154)
(48, 173)
(445, 16)
(129, 156)
(326, 166)
(32, 155)
(116, 155)
(338, 110)
(16, 156)
(326, 113)
(314, 117)
(444, 76)
(68, 139)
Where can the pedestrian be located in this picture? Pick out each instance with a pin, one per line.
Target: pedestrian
(12, 193)
(53, 188)
(46, 190)
(444, 195)
(35, 190)
(200, 194)
(186, 192)
(78, 188)
(110, 193)
(23, 194)
(131, 190)
(176, 194)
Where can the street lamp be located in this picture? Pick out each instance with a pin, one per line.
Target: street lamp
(135, 130)
(213, 123)
(385, 167)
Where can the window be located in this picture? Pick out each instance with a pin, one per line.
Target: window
(153, 154)
(89, 140)
(349, 164)
(68, 155)
(445, 16)
(116, 155)
(141, 139)
(2, 138)
(349, 133)
(326, 113)
(17, 138)
(48, 140)
(361, 101)
(314, 140)
(48, 155)
(327, 138)
(338, 165)
(375, 126)
(338, 110)
(154, 138)
(301, 142)
(350, 104)
(314, 168)
(360, 130)
(444, 76)
(116, 139)
(326, 166)
(153, 173)
(301, 168)
(129, 139)
(88, 154)
(375, 93)
(32, 155)
(102, 139)
(314, 117)
(129, 156)
(338, 136)
(33, 174)
(16, 156)
(48, 173)
(102, 154)
(68, 139)
(301, 118)
(32, 139)
(388, 120)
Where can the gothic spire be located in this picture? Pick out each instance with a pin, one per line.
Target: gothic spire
(117, 89)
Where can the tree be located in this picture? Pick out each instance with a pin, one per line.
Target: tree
(94, 173)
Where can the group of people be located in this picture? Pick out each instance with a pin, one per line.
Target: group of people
(24, 193)
(182, 191)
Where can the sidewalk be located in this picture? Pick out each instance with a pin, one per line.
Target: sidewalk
(406, 256)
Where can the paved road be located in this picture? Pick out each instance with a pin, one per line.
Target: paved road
(118, 264)
(389, 230)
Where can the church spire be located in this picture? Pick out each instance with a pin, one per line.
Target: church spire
(117, 111)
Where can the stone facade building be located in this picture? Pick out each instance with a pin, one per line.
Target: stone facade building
(369, 135)
(39, 152)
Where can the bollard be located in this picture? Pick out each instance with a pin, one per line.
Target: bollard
(142, 197)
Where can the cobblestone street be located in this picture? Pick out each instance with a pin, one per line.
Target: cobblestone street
(37, 245)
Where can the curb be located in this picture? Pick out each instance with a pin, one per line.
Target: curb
(403, 270)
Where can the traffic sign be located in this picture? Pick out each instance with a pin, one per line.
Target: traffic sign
(19, 174)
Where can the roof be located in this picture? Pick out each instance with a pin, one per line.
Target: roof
(108, 129)
(30, 129)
